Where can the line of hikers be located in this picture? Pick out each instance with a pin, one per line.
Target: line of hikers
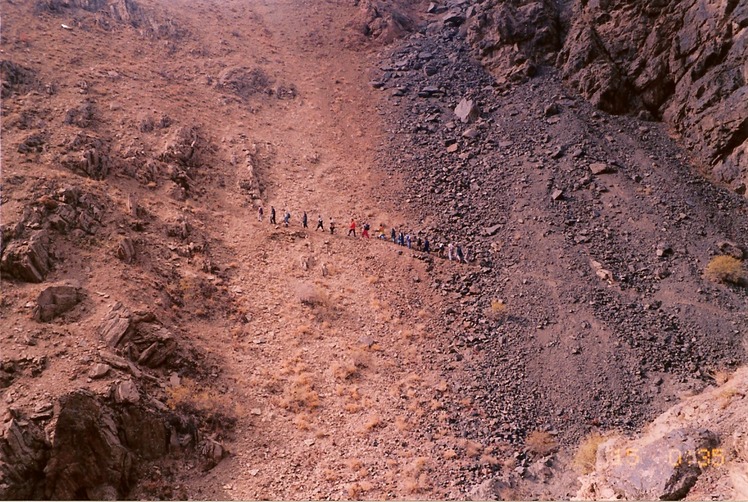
(453, 251)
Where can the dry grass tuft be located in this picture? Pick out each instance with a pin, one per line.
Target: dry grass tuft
(217, 409)
(726, 269)
(299, 395)
(449, 455)
(372, 423)
(497, 309)
(541, 443)
(586, 455)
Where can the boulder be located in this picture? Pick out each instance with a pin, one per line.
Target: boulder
(126, 392)
(467, 111)
(598, 168)
(54, 301)
(28, 260)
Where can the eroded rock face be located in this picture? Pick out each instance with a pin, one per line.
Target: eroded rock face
(681, 61)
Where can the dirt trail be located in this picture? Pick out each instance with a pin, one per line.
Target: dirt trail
(333, 376)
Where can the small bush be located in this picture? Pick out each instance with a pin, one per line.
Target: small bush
(726, 269)
(586, 455)
(541, 443)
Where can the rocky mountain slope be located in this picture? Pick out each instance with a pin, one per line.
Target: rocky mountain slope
(681, 62)
(161, 341)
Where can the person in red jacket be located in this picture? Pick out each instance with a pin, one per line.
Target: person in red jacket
(365, 231)
(352, 228)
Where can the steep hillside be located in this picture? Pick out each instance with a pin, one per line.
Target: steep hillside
(162, 339)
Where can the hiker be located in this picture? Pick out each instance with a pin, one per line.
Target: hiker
(272, 215)
(259, 213)
(460, 256)
(381, 232)
(419, 243)
(286, 218)
(365, 232)
(305, 221)
(450, 248)
(352, 228)
(426, 247)
(401, 239)
(440, 250)
(407, 240)
(393, 235)
(332, 226)
(320, 224)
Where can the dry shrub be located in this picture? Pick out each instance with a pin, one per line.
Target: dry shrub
(541, 443)
(372, 423)
(726, 269)
(490, 460)
(449, 454)
(497, 309)
(344, 370)
(216, 409)
(302, 421)
(354, 464)
(472, 448)
(329, 475)
(311, 295)
(401, 424)
(586, 455)
(720, 376)
(372, 279)
(299, 394)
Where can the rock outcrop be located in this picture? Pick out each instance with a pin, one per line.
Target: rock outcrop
(682, 62)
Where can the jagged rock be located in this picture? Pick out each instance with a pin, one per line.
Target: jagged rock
(81, 116)
(33, 144)
(54, 301)
(89, 156)
(557, 194)
(24, 452)
(126, 250)
(28, 260)
(467, 111)
(126, 392)
(213, 451)
(598, 168)
(115, 325)
(137, 336)
(99, 370)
